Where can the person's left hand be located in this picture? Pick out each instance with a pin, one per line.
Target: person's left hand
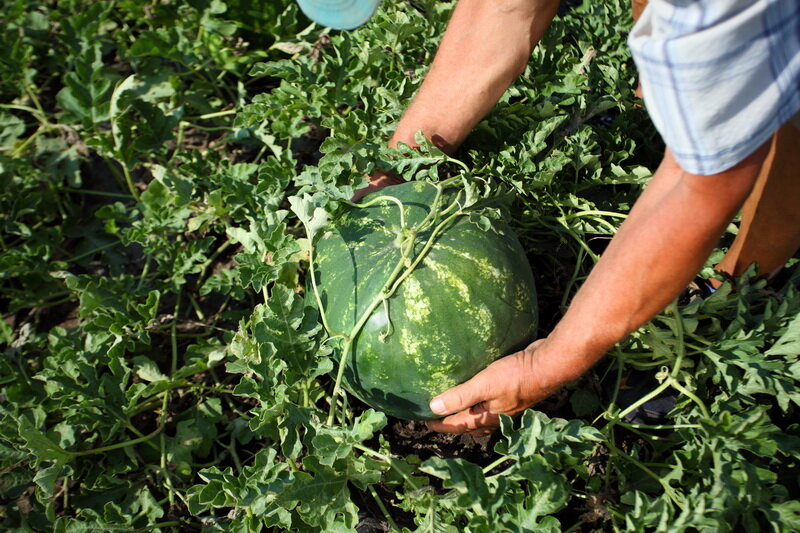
(507, 386)
(378, 180)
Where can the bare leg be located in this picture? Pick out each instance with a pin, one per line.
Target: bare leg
(769, 233)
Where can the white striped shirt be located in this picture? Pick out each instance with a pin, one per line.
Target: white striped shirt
(719, 77)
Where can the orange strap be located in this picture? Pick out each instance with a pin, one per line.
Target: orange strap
(637, 7)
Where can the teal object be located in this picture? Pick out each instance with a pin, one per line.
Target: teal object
(339, 14)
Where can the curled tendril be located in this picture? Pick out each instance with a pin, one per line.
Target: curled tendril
(389, 326)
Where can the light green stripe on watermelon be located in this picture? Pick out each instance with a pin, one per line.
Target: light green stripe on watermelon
(480, 316)
(418, 307)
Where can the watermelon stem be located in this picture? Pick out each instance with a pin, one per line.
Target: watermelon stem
(388, 459)
(377, 199)
(495, 464)
(348, 344)
(312, 274)
(679, 329)
(670, 381)
(573, 279)
(434, 212)
(392, 525)
(421, 255)
(458, 162)
(677, 500)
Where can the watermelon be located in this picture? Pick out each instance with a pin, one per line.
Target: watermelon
(465, 299)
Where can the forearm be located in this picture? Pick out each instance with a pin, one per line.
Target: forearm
(486, 46)
(660, 247)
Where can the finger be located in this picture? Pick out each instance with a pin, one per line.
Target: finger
(359, 194)
(376, 181)
(462, 396)
(475, 418)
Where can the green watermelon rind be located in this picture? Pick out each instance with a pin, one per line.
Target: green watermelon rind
(469, 301)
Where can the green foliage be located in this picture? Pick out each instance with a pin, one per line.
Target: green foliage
(164, 170)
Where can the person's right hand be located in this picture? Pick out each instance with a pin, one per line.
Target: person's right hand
(377, 180)
(507, 386)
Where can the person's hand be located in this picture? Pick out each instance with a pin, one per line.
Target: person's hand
(507, 386)
(378, 180)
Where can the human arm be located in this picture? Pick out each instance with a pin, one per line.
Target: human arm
(485, 47)
(669, 233)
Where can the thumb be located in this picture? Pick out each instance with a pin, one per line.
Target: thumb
(460, 397)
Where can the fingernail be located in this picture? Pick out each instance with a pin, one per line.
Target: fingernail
(437, 406)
